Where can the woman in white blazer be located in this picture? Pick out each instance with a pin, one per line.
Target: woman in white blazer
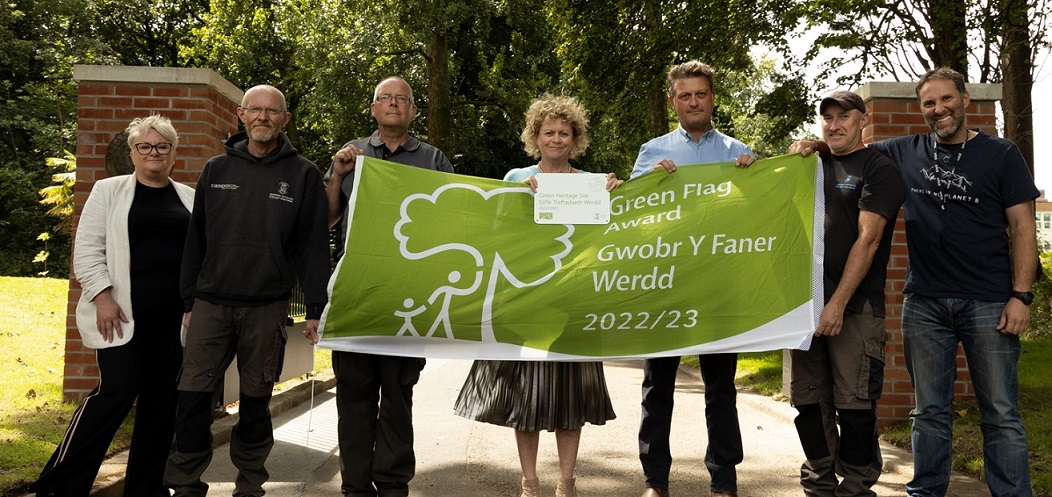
(126, 256)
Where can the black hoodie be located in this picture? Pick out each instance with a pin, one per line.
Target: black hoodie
(258, 226)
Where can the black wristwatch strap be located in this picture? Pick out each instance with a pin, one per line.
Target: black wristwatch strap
(1026, 297)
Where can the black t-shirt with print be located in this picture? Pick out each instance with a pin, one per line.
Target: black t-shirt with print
(955, 213)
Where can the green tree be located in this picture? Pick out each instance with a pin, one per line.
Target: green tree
(39, 43)
(60, 197)
(1041, 310)
(616, 54)
(767, 108)
(22, 218)
(145, 32)
(471, 94)
(991, 40)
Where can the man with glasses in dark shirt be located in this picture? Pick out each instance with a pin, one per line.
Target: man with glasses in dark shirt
(374, 393)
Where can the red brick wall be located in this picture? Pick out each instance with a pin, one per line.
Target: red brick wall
(202, 108)
(894, 111)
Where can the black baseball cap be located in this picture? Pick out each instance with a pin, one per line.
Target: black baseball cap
(846, 100)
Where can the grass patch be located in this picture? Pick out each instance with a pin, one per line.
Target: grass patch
(322, 360)
(757, 371)
(1035, 406)
(33, 416)
(1035, 387)
(761, 372)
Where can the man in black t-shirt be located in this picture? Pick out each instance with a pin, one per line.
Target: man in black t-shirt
(842, 374)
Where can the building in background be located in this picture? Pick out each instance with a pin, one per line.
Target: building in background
(1043, 216)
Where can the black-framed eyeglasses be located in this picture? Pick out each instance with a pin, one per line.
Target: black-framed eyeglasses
(255, 111)
(401, 99)
(162, 148)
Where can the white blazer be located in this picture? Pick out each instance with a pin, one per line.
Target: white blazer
(102, 254)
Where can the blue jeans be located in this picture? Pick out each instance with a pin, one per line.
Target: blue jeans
(931, 329)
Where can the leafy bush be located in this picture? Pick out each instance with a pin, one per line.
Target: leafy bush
(22, 219)
(1041, 309)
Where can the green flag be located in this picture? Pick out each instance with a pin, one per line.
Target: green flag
(711, 258)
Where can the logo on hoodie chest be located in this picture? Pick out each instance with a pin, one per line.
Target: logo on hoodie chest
(281, 193)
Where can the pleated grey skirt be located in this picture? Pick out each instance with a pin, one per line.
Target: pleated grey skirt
(536, 395)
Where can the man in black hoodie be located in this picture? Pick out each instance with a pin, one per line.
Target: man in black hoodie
(258, 226)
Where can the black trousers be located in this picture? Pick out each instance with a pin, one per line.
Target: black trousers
(142, 372)
(724, 450)
(374, 402)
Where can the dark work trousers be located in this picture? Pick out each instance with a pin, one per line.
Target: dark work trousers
(218, 333)
(144, 370)
(374, 401)
(724, 450)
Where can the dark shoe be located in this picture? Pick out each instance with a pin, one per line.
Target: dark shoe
(655, 492)
(858, 480)
(723, 493)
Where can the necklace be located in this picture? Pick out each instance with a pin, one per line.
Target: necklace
(541, 167)
(953, 171)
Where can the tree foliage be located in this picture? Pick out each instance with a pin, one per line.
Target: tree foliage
(768, 107)
(145, 32)
(992, 41)
(475, 65)
(616, 54)
(59, 195)
(39, 42)
(1041, 310)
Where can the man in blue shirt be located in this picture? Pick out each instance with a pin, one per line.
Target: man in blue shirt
(692, 95)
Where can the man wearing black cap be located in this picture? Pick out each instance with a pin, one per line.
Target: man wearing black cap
(842, 375)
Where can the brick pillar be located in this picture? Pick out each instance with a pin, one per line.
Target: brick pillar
(895, 111)
(202, 106)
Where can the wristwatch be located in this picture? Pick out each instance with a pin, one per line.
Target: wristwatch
(1026, 297)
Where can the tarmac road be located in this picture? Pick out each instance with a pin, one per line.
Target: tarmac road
(458, 458)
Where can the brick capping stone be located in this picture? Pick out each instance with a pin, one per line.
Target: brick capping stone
(162, 76)
(885, 90)
(202, 106)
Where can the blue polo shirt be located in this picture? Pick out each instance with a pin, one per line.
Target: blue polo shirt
(682, 149)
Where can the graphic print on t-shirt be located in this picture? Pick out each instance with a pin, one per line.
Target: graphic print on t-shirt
(947, 183)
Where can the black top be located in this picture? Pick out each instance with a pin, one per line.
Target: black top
(157, 223)
(864, 180)
(258, 227)
(955, 213)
